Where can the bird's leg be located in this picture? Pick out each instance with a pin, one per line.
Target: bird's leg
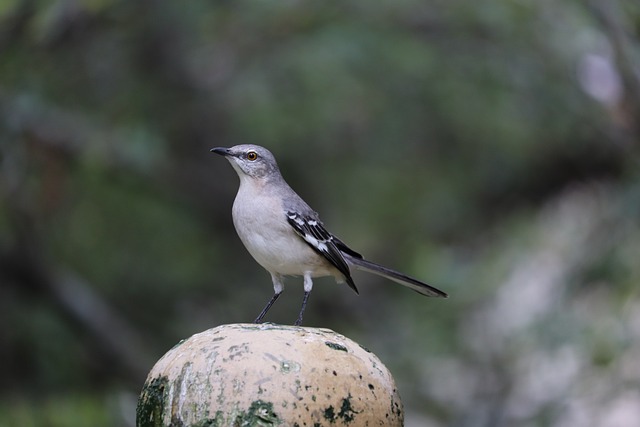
(278, 287)
(308, 285)
(304, 305)
(266, 308)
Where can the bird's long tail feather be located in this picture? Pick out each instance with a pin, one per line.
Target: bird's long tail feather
(396, 276)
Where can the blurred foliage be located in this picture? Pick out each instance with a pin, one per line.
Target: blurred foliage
(488, 147)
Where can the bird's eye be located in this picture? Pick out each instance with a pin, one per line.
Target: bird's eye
(252, 155)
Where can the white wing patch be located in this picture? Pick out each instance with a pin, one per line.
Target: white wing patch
(308, 229)
(312, 231)
(316, 243)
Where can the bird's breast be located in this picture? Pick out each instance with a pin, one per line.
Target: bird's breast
(262, 227)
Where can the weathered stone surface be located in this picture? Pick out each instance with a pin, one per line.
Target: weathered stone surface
(269, 375)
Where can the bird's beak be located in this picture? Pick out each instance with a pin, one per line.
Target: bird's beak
(222, 151)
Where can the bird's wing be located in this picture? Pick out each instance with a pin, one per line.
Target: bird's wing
(321, 241)
(345, 249)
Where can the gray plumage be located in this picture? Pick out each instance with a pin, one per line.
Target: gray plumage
(286, 237)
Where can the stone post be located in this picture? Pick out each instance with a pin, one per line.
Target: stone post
(269, 375)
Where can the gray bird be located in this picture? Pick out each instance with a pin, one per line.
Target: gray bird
(286, 237)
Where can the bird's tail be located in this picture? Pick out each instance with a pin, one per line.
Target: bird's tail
(396, 276)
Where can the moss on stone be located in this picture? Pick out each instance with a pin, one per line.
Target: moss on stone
(151, 403)
(335, 346)
(259, 414)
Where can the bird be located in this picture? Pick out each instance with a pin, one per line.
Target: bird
(286, 236)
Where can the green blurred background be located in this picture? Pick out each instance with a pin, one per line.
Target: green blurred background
(488, 147)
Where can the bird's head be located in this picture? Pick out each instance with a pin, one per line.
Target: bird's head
(250, 160)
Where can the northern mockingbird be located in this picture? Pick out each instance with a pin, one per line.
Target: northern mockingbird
(286, 237)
